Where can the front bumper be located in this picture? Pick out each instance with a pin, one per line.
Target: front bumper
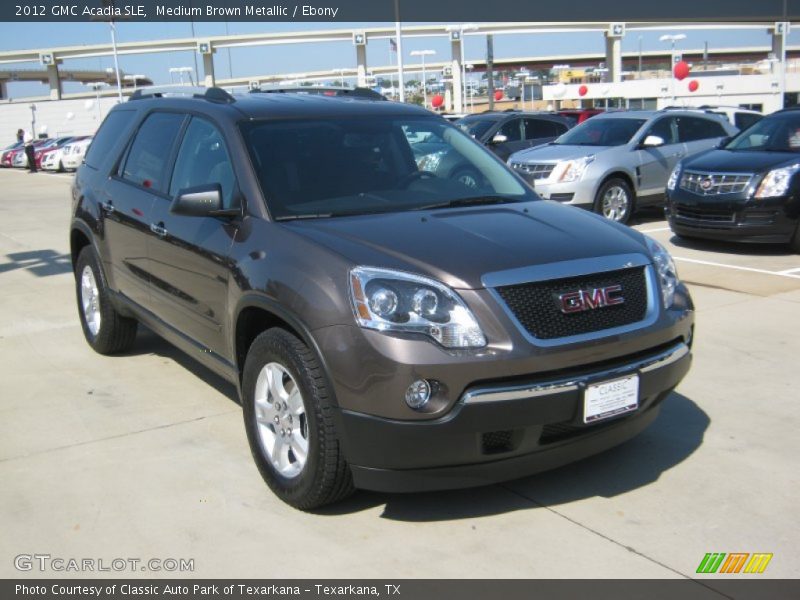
(501, 432)
(772, 220)
(578, 193)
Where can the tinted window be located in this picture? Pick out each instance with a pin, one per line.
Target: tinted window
(613, 131)
(542, 128)
(203, 159)
(665, 129)
(779, 133)
(512, 130)
(146, 163)
(745, 120)
(110, 132)
(476, 126)
(691, 129)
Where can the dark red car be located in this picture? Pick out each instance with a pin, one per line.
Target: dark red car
(52, 146)
(5, 157)
(13, 160)
(580, 114)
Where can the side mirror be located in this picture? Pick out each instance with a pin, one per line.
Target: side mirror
(499, 138)
(201, 201)
(724, 141)
(653, 141)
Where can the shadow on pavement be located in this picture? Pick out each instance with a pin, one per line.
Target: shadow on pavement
(644, 216)
(734, 248)
(41, 263)
(675, 435)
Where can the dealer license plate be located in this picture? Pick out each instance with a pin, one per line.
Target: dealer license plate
(610, 398)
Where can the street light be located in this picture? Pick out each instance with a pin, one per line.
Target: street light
(672, 38)
(423, 54)
(180, 71)
(461, 29)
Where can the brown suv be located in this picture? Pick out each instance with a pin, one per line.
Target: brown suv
(388, 327)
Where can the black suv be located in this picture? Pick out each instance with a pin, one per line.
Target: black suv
(508, 132)
(747, 189)
(387, 327)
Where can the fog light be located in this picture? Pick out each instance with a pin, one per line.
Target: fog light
(418, 394)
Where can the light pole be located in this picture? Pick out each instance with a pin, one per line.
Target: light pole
(97, 86)
(423, 54)
(672, 38)
(522, 76)
(640, 57)
(398, 32)
(470, 67)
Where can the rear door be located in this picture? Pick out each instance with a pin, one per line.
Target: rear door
(700, 133)
(128, 196)
(656, 163)
(188, 256)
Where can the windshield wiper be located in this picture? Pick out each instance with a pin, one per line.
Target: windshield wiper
(308, 216)
(473, 201)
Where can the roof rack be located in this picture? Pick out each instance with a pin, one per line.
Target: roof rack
(328, 90)
(212, 94)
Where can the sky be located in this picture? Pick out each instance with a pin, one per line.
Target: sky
(267, 60)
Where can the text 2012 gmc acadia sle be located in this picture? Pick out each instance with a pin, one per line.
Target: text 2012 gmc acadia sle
(388, 328)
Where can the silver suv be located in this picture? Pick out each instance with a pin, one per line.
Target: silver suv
(618, 161)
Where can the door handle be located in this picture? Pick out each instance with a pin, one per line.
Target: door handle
(107, 207)
(159, 229)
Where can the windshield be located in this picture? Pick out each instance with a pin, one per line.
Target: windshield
(348, 166)
(602, 132)
(779, 133)
(476, 126)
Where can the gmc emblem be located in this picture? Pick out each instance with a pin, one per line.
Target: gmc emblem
(582, 300)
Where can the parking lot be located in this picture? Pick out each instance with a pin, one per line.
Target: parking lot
(145, 455)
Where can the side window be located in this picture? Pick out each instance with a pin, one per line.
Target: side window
(113, 128)
(692, 129)
(542, 128)
(512, 130)
(745, 120)
(665, 128)
(203, 159)
(146, 163)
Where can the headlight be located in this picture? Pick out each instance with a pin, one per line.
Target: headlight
(666, 271)
(571, 170)
(388, 300)
(777, 181)
(672, 182)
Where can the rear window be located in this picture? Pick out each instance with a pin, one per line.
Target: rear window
(110, 132)
(691, 129)
(745, 120)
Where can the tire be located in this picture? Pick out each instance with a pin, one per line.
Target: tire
(105, 330)
(60, 167)
(794, 243)
(323, 476)
(615, 200)
(468, 177)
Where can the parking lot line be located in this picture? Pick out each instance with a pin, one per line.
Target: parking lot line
(788, 273)
(654, 230)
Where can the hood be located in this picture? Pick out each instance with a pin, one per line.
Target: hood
(556, 152)
(459, 246)
(740, 161)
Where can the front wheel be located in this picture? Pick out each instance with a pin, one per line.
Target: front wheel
(289, 422)
(614, 200)
(106, 331)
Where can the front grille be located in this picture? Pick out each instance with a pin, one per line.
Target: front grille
(559, 432)
(534, 172)
(703, 213)
(714, 184)
(538, 309)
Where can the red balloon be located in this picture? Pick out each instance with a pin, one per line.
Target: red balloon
(437, 101)
(583, 90)
(681, 70)
(498, 94)
(693, 85)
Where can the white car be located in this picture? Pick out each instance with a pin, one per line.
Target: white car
(52, 161)
(72, 154)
